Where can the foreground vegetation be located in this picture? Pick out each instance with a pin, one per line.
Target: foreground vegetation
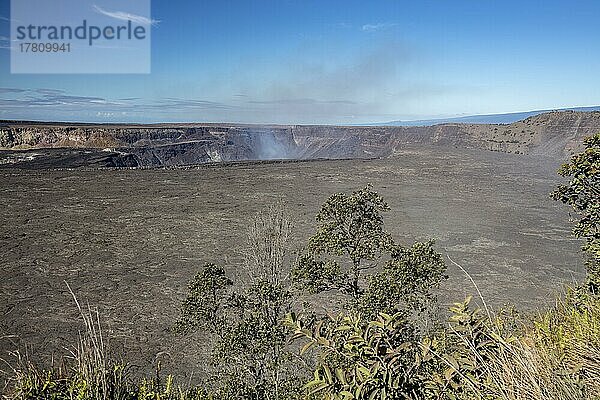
(355, 317)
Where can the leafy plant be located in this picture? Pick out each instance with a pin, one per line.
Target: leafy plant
(203, 308)
(249, 347)
(361, 359)
(406, 282)
(463, 351)
(582, 193)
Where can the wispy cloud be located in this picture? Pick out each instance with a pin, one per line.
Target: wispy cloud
(49, 98)
(44, 97)
(341, 25)
(378, 27)
(308, 92)
(301, 101)
(125, 16)
(50, 92)
(12, 90)
(179, 104)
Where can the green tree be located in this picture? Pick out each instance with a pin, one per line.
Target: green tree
(405, 284)
(582, 193)
(350, 238)
(371, 350)
(203, 308)
(352, 253)
(249, 346)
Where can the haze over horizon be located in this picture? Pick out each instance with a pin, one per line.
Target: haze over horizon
(331, 63)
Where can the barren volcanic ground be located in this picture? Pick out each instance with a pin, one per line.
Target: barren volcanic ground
(128, 241)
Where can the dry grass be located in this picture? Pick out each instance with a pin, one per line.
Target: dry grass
(552, 356)
(103, 379)
(555, 357)
(86, 373)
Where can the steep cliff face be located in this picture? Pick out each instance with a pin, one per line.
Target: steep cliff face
(555, 134)
(156, 145)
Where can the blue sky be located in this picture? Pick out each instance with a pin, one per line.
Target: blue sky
(334, 62)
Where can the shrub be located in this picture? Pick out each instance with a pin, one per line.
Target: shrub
(249, 340)
(362, 359)
(582, 193)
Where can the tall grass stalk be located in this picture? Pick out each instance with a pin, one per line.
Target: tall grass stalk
(553, 356)
(87, 374)
(103, 380)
